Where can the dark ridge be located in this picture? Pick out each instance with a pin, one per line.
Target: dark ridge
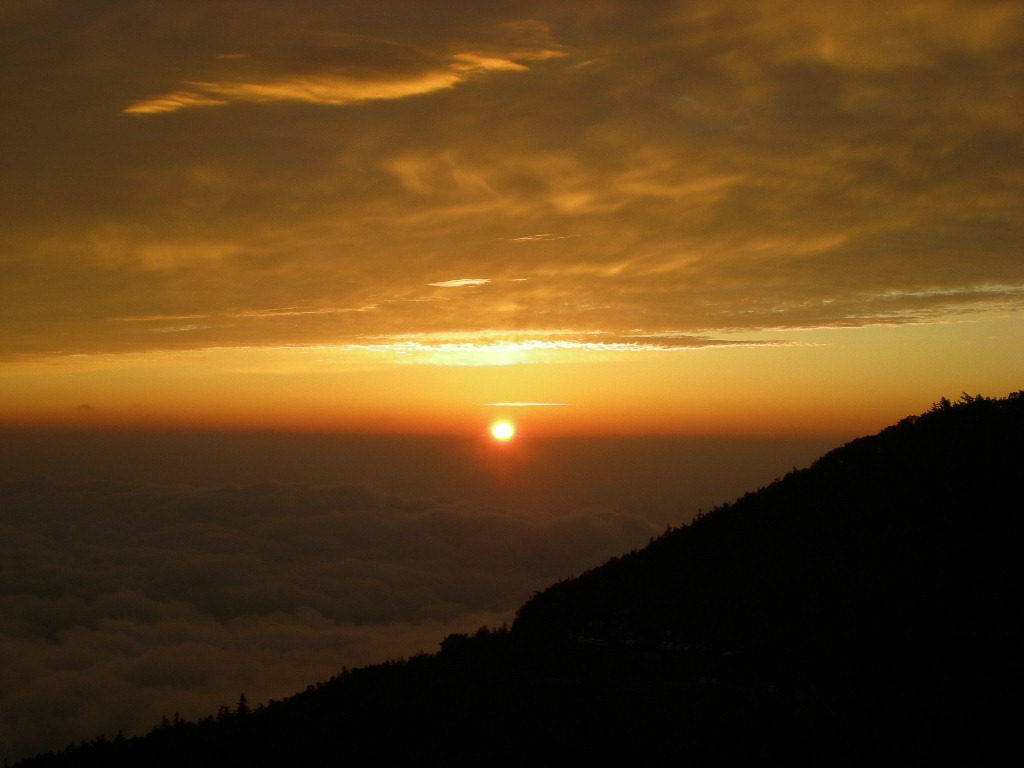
(865, 610)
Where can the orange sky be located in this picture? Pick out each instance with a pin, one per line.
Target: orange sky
(604, 217)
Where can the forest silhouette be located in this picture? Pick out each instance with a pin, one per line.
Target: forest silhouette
(864, 610)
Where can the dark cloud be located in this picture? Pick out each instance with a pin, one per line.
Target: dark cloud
(813, 162)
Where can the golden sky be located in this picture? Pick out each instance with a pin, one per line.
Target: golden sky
(592, 216)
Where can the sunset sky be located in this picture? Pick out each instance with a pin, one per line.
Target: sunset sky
(604, 216)
(270, 269)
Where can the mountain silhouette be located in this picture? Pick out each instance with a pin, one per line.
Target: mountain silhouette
(865, 610)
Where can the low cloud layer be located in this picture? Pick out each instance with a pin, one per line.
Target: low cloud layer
(163, 573)
(124, 602)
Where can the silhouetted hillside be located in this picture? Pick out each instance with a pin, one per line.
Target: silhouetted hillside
(862, 611)
(896, 543)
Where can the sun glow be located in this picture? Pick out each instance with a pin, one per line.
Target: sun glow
(503, 430)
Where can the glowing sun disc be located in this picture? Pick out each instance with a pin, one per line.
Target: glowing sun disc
(503, 430)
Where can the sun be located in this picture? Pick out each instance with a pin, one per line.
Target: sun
(503, 430)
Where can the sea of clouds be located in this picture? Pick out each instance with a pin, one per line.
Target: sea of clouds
(125, 602)
(133, 587)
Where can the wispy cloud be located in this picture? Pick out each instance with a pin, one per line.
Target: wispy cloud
(543, 237)
(339, 88)
(461, 283)
(300, 311)
(152, 318)
(502, 348)
(181, 328)
(172, 102)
